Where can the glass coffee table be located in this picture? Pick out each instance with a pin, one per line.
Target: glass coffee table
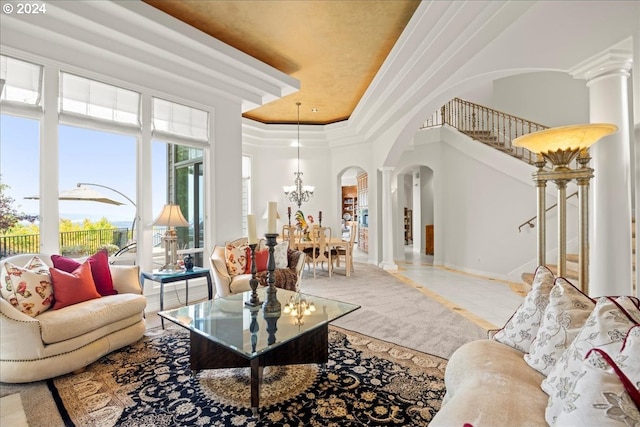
(225, 333)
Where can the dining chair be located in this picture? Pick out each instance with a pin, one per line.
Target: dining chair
(289, 234)
(343, 251)
(320, 250)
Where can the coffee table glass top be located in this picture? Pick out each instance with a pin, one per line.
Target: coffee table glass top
(247, 331)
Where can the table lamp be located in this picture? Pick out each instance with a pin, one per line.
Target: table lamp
(170, 217)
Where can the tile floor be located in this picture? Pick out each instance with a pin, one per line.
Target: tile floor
(487, 302)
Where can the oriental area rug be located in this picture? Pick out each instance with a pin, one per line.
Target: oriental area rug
(366, 382)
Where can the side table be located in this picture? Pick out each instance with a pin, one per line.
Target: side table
(168, 277)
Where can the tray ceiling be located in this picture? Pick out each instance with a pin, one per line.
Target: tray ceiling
(334, 48)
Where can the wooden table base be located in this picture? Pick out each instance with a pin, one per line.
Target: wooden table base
(310, 347)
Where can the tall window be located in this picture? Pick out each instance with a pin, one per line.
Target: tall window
(20, 99)
(99, 151)
(185, 131)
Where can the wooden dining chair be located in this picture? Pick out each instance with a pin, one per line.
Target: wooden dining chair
(347, 249)
(320, 250)
(289, 234)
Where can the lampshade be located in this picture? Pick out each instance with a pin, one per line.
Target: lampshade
(565, 138)
(171, 216)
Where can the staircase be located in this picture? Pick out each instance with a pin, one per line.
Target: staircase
(486, 125)
(498, 130)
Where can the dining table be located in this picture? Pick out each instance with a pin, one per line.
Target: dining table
(333, 243)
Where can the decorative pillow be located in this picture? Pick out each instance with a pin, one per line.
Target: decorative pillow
(262, 257)
(563, 318)
(31, 284)
(99, 270)
(606, 328)
(605, 391)
(236, 258)
(280, 254)
(522, 327)
(72, 288)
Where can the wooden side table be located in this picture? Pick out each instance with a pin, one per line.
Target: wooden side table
(170, 277)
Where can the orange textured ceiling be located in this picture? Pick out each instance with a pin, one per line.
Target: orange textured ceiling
(333, 47)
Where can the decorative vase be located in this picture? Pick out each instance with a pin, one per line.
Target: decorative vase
(188, 262)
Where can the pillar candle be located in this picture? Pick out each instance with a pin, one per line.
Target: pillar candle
(251, 225)
(272, 218)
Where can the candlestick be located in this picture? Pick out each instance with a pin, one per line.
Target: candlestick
(251, 226)
(289, 214)
(253, 282)
(320, 218)
(271, 306)
(272, 218)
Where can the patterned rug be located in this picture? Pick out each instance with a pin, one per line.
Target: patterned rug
(366, 382)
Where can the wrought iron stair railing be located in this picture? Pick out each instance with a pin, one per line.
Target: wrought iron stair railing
(484, 124)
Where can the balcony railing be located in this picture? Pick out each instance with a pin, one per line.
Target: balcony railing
(79, 243)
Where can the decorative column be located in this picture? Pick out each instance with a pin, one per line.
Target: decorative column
(611, 248)
(387, 221)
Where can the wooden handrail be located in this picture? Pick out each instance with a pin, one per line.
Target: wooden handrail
(532, 224)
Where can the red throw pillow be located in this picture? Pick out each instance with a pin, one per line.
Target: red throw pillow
(72, 288)
(99, 270)
(262, 257)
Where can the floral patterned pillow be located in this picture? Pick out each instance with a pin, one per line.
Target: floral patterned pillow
(31, 284)
(280, 254)
(236, 259)
(567, 311)
(606, 388)
(606, 328)
(522, 327)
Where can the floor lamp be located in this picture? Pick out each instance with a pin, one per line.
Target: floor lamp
(170, 217)
(560, 146)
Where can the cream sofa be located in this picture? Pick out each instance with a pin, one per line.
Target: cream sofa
(229, 285)
(489, 384)
(60, 341)
(563, 359)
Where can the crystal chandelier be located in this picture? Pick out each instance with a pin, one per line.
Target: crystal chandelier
(298, 193)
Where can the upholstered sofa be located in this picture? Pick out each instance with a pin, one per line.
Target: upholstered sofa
(563, 359)
(234, 282)
(59, 341)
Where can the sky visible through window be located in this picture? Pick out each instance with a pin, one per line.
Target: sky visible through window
(85, 155)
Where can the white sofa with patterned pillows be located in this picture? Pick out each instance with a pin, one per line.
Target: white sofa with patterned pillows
(58, 315)
(563, 359)
(231, 266)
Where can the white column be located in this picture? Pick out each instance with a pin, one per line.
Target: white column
(49, 165)
(387, 221)
(144, 202)
(610, 246)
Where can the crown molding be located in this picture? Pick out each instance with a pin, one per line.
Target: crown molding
(135, 42)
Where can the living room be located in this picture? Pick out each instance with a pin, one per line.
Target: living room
(492, 54)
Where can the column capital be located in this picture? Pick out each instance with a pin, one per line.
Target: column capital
(610, 62)
(387, 168)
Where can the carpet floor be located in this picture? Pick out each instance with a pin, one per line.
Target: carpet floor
(366, 382)
(391, 310)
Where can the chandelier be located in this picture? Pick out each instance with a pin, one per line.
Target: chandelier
(298, 193)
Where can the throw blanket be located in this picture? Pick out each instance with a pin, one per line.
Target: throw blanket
(286, 278)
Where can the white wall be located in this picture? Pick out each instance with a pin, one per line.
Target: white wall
(481, 196)
(273, 167)
(548, 98)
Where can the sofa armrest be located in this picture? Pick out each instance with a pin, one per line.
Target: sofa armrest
(21, 336)
(219, 272)
(126, 279)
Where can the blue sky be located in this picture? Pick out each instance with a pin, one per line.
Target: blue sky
(85, 156)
